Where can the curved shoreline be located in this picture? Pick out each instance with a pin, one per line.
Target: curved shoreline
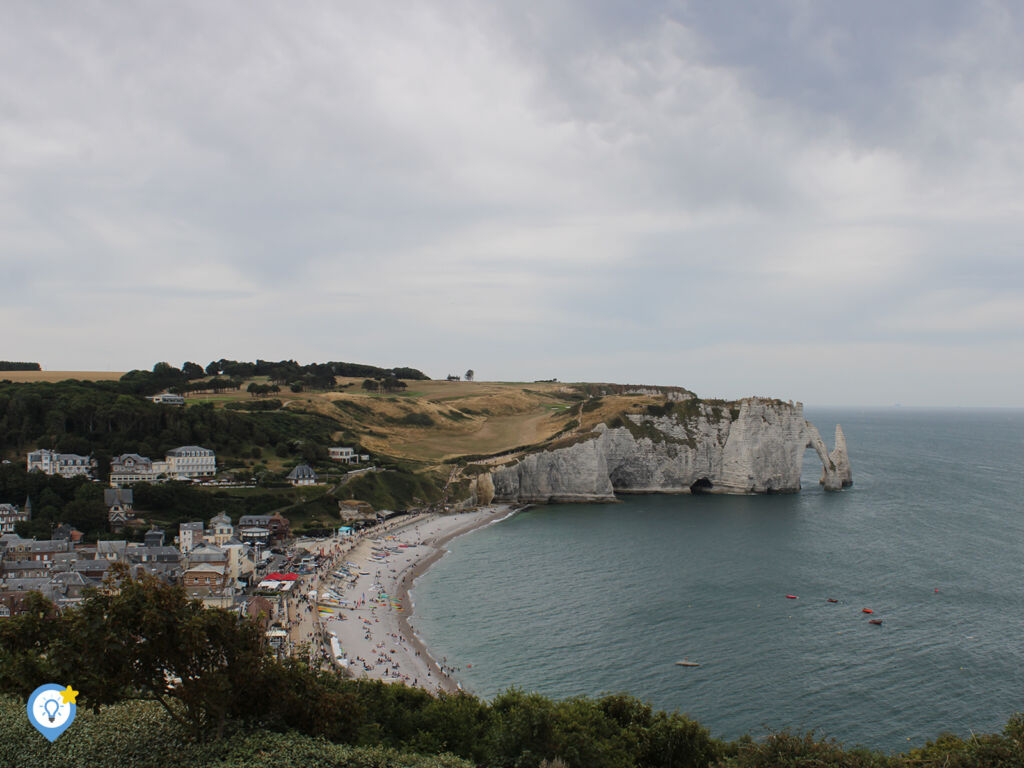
(372, 622)
(419, 568)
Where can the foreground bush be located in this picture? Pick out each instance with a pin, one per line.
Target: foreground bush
(790, 750)
(142, 735)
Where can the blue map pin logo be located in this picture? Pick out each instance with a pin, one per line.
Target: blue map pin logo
(51, 709)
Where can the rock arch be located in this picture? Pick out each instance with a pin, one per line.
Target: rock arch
(835, 466)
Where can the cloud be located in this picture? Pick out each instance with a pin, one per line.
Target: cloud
(582, 190)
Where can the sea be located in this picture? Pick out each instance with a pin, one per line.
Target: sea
(586, 599)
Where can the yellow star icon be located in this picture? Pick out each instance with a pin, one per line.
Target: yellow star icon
(68, 695)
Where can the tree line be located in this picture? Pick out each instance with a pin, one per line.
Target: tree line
(87, 417)
(232, 373)
(7, 365)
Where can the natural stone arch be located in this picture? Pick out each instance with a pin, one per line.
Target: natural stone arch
(835, 466)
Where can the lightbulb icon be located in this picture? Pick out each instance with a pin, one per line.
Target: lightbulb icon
(51, 707)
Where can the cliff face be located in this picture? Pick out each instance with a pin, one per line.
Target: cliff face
(758, 448)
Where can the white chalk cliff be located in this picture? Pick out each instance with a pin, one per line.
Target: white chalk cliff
(753, 446)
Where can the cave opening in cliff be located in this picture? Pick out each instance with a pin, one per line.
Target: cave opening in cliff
(701, 486)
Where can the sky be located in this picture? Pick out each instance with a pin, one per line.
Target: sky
(813, 201)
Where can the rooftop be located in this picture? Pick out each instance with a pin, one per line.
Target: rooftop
(302, 472)
(185, 450)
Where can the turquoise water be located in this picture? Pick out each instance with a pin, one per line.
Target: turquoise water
(585, 599)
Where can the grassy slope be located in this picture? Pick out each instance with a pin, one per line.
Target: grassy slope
(468, 418)
(465, 418)
(423, 429)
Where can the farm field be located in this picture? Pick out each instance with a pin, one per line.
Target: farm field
(28, 377)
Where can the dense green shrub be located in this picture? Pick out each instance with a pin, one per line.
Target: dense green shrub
(394, 489)
(791, 750)
(141, 735)
(254, 405)
(417, 420)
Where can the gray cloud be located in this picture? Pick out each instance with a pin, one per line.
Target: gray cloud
(812, 201)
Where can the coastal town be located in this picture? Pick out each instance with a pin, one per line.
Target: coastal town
(341, 600)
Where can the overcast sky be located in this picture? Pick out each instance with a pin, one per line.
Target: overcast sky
(816, 201)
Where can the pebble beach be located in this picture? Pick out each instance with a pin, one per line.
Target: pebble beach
(364, 604)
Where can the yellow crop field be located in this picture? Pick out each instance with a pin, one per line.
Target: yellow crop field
(27, 377)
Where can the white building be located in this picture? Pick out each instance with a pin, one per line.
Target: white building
(342, 453)
(192, 461)
(346, 455)
(241, 564)
(63, 464)
(133, 468)
(167, 398)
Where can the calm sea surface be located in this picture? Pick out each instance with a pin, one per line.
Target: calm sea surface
(586, 599)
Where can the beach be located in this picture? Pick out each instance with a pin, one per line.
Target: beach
(364, 605)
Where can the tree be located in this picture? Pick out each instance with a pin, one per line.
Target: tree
(312, 452)
(142, 639)
(469, 375)
(192, 371)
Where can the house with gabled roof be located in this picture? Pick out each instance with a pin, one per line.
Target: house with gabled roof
(220, 529)
(10, 516)
(303, 474)
(120, 504)
(115, 551)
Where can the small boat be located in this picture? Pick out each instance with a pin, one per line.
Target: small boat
(792, 597)
(832, 600)
(866, 610)
(876, 622)
(687, 663)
